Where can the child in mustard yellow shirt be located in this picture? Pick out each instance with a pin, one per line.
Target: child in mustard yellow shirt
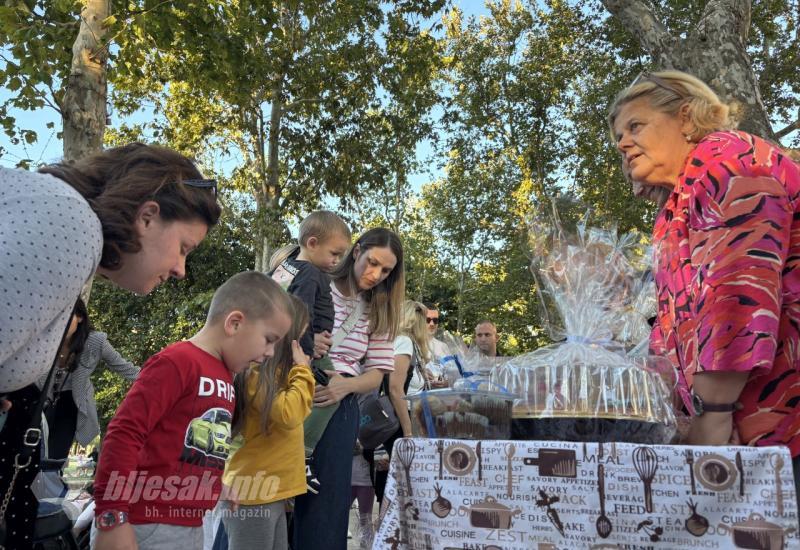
(273, 400)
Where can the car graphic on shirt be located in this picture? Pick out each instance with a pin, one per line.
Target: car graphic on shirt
(211, 433)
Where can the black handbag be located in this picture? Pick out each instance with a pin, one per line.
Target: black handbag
(378, 421)
(31, 439)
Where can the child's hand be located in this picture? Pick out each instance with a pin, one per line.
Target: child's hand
(121, 537)
(227, 495)
(322, 343)
(299, 357)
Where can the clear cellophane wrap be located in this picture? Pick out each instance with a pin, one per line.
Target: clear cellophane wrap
(596, 296)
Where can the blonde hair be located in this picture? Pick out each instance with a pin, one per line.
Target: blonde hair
(386, 298)
(255, 294)
(669, 91)
(322, 224)
(272, 376)
(415, 325)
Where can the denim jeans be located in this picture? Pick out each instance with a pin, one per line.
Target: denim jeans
(320, 521)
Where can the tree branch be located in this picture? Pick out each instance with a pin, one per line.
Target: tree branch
(296, 102)
(733, 14)
(638, 17)
(789, 129)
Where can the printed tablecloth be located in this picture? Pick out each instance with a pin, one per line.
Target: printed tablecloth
(521, 495)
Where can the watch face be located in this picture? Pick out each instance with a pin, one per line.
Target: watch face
(107, 519)
(697, 403)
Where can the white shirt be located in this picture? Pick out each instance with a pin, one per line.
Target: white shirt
(404, 346)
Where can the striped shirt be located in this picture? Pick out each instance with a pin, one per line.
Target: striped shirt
(360, 350)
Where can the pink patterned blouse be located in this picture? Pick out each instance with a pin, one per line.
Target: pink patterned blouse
(727, 270)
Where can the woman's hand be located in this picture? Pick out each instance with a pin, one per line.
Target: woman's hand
(337, 389)
(298, 356)
(322, 344)
(735, 439)
(434, 381)
(5, 404)
(712, 428)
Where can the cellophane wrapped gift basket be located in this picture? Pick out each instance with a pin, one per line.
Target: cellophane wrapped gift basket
(597, 383)
(473, 407)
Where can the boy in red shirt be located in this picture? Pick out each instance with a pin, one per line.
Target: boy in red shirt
(165, 449)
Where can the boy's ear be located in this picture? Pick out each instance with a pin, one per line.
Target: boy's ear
(233, 321)
(312, 242)
(356, 251)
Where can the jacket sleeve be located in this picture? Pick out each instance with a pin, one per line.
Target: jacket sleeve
(306, 286)
(292, 405)
(117, 363)
(739, 231)
(149, 400)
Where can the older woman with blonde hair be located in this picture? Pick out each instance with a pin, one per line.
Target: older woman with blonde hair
(726, 256)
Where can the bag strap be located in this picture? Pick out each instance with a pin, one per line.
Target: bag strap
(384, 389)
(30, 438)
(33, 434)
(348, 324)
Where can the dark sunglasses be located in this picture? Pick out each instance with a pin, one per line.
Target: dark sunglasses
(434, 320)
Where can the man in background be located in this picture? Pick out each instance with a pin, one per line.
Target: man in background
(486, 338)
(438, 348)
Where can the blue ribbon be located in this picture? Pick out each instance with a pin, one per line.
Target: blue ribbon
(474, 385)
(453, 358)
(426, 412)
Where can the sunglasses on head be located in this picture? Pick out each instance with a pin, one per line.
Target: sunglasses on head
(196, 183)
(203, 184)
(658, 81)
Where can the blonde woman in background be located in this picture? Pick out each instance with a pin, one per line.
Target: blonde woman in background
(411, 352)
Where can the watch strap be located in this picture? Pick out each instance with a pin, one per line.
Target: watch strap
(720, 407)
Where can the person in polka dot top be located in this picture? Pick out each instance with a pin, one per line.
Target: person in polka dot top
(130, 214)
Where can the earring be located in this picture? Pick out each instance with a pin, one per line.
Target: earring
(688, 138)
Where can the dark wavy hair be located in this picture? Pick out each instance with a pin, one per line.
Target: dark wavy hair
(78, 340)
(117, 181)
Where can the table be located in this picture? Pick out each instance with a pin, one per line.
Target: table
(549, 495)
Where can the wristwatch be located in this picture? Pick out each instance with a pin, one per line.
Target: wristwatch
(701, 407)
(110, 519)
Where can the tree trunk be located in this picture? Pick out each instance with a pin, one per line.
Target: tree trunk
(462, 276)
(399, 206)
(268, 205)
(715, 51)
(84, 105)
(83, 110)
